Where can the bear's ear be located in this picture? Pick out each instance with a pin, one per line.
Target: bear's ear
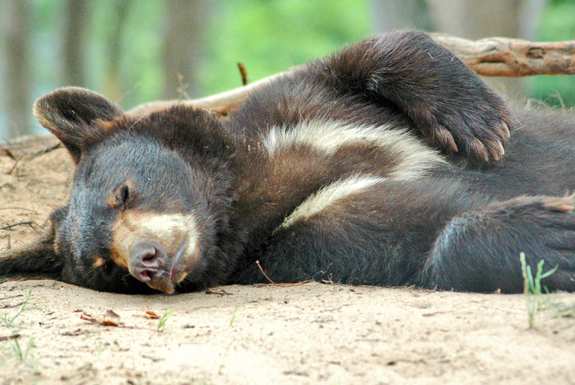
(72, 114)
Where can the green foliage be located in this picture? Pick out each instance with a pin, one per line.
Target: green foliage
(532, 287)
(13, 349)
(237, 307)
(228, 348)
(271, 36)
(163, 320)
(26, 354)
(268, 36)
(556, 24)
(141, 44)
(46, 43)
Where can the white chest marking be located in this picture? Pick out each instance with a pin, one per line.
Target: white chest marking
(329, 195)
(413, 157)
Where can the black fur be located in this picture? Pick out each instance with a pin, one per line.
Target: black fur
(458, 220)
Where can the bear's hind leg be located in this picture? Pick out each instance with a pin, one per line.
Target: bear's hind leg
(480, 250)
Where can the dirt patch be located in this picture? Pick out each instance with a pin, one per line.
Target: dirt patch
(52, 332)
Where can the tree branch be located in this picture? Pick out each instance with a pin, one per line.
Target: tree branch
(219, 103)
(495, 56)
(499, 56)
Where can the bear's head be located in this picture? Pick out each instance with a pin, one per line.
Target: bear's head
(149, 200)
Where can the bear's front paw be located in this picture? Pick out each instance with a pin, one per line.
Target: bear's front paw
(476, 130)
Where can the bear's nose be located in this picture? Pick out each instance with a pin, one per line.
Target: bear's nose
(149, 263)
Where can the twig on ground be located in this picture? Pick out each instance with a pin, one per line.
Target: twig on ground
(23, 223)
(11, 337)
(218, 292)
(280, 284)
(34, 155)
(19, 208)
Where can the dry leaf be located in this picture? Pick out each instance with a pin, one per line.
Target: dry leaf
(151, 314)
(148, 314)
(110, 319)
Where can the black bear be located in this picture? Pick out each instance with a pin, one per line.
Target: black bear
(389, 163)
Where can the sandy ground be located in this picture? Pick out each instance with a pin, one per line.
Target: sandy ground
(53, 333)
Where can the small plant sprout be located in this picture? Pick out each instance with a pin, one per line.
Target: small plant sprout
(238, 305)
(532, 287)
(163, 319)
(9, 321)
(24, 355)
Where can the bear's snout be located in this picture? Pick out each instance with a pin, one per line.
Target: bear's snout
(149, 263)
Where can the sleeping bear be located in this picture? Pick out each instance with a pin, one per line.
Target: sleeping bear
(389, 163)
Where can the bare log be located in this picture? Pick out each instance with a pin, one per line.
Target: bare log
(219, 103)
(495, 56)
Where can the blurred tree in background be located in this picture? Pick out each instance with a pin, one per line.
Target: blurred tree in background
(135, 51)
(16, 30)
(74, 35)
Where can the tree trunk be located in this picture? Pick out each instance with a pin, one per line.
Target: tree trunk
(529, 14)
(476, 19)
(15, 25)
(186, 26)
(75, 20)
(390, 15)
(113, 83)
